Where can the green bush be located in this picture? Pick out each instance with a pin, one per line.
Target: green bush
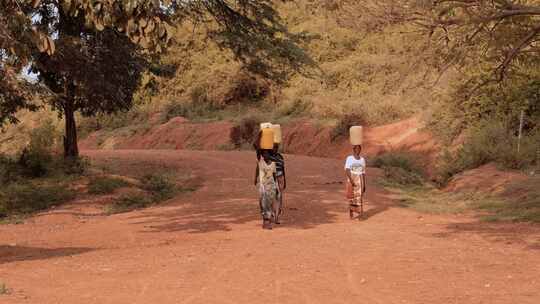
(489, 141)
(129, 202)
(36, 163)
(246, 88)
(402, 177)
(400, 167)
(24, 198)
(406, 161)
(158, 188)
(75, 166)
(345, 123)
(105, 185)
(10, 171)
(37, 158)
(161, 186)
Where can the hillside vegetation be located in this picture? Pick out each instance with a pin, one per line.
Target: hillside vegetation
(367, 72)
(356, 69)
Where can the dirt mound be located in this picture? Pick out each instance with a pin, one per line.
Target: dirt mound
(299, 137)
(177, 133)
(485, 179)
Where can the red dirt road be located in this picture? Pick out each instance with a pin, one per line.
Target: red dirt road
(208, 247)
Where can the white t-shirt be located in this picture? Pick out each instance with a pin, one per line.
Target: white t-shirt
(357, 166)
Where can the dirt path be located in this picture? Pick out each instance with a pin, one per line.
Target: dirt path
(208, 247)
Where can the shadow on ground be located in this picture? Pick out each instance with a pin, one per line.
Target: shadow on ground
(10, 254)
(303, 209)
(510, 233)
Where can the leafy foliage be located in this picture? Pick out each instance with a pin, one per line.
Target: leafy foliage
(105, 185)
(88, 53)
(499, 34)
(161, 186)
(23, 198)
(27, 39)
(129, 202)
(37, 159)
(400, 168)
(489, 141)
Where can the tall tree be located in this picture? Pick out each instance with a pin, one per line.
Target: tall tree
(85, 54)
(88, 53)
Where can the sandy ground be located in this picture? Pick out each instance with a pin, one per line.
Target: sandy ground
(208, 246)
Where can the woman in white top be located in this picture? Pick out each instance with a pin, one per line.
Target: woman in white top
(355, 170)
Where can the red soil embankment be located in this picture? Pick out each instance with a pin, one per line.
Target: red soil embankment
(406, 135)
(485, 179)
(300, 137)
(178, 133)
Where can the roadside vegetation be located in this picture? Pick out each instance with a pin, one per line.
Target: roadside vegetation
(37, 178)
(408, 184)
(504, 206)
(105, 184)
(154, 189)
(401, 168)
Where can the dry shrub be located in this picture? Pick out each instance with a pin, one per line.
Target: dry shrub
(246, 88)
(244, 132)
(345, 123)
(297, 107)
(489, 141)
(400, 168)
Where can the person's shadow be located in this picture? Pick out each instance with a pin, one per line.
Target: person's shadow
(10, 254)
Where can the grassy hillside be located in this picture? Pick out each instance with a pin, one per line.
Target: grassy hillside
(364, 70)
(358, 68)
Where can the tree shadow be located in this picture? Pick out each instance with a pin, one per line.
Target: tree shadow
(10, 254)
(227, 197)
(304, 208)
(524, 234)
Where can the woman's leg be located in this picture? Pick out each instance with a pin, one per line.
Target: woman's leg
(278, 207)
(360, 196)
(266, 209)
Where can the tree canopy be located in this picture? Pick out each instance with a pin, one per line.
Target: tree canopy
(89, 54)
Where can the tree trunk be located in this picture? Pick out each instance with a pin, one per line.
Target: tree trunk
(71, 148)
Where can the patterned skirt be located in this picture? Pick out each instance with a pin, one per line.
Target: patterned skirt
(354, 194)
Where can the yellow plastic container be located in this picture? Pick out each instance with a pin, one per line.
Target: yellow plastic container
(267, 139)
(266, 125)
(277, 134)
(356, 135)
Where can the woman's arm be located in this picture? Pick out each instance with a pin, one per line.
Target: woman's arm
(284, 179)
(256, 174)
(349, 176)
(257, 142)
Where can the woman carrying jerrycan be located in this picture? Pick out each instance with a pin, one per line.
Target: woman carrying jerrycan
(270, 173)
(355, 171)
